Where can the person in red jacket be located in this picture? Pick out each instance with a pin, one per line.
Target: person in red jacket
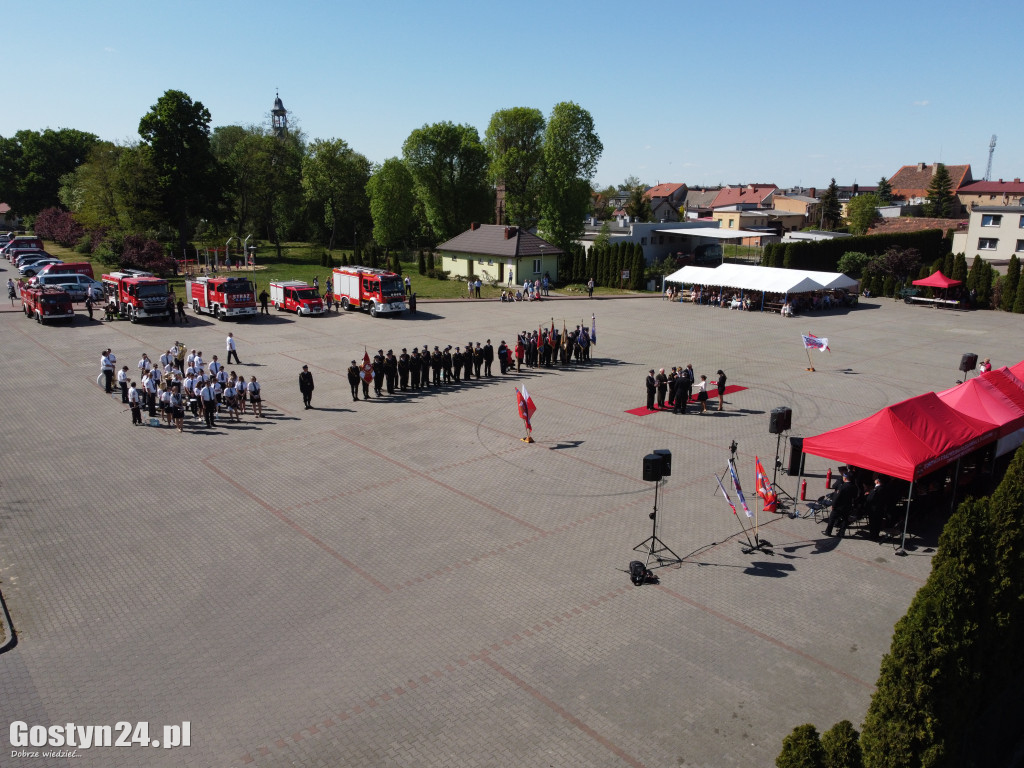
(520, 354)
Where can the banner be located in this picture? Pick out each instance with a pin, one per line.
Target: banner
(813, 342)
(726, 494)
(524, 403)
(593, 329)
(764, 487)
(367, 374)
(739, 490)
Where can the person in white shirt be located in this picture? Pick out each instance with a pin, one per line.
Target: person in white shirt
(135, 404)
(215, 366)
(191, 359)
(122, 382)
(177, 408)
(232, 349)
(145, 364)
(208, 401)
(231, 402)
(107, 371)
(198, 362)
(254, 396)
(149, 382)
(165, 359)
(240, 390)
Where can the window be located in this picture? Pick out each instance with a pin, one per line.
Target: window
(536, 266)
(1020, 246)
(991, 220)
(1021, 225)
(987, 243)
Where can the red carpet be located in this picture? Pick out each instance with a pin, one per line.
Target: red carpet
(712, 401)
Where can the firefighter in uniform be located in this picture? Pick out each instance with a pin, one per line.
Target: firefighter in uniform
(403, 370)
(353, 380)
(435, 366)
(390, 371)
(478, 359)
(425, 367)
(414, 369)
(503, 357)
(457, 365)
(467, 361)
(378, 372)
(488, 358)
(446, 364)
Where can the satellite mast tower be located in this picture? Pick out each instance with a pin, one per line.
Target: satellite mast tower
(991, 150)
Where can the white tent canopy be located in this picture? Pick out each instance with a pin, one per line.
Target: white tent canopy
(714, 233)
(761, 279)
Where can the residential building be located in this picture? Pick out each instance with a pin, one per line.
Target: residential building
(995, 232)
(659, 240)
(991, 193)
(745, 197)
(910, 183)
(491, 252)
(748, 221)
(697, 202)
(806, 205)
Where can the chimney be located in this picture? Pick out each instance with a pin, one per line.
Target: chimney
(511, 232)
(1016, 181)
(474, 226)
(812, 192)
(920, 166)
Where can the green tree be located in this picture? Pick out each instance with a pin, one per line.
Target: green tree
(391, 202)
(33, 162)
(939, 203)
(853, 263)
(515, 145)
(638, 206)
(801, 749)
(1018, 303)
(638, 269)
(335, 177)
(449, 166)
(422, 263)
(176, 133)
(841, 744)
(959, 267)
(884, 191)
(984, 288)
(571, 151)
(831, 210)
(862, 212)
(1010, 281)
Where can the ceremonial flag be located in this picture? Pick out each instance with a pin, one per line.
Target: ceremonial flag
(552, 334)
(526, 407)
(739, 490)
(764, 487)
(813, 342)
(565, 336)
(367, 374)
(726, 494)
(593, 329)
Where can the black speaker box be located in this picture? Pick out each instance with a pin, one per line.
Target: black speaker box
(666, 462)
(796, 455)
(652, 467)
(781, 420)
(968, 362)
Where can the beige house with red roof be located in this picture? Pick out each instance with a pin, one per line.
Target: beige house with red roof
(492, 252)
(745, 197)
(910, 183)
(991, 193)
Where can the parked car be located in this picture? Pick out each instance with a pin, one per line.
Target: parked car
(27, 257)
(77, 286)
(32, 267)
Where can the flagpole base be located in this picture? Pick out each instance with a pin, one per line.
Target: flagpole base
(810, 369)
(527, 439)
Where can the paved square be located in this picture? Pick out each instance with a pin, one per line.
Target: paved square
(403, 582)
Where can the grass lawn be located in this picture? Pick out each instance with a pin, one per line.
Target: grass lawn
(301, 261)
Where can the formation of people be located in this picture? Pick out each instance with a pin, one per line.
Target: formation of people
(179, 381)
(674, 390)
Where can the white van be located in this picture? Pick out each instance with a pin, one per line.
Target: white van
(78, 286)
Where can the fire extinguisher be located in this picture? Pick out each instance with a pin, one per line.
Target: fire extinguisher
(828, 478)
(803, 490)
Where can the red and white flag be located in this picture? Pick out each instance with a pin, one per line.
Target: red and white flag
(526, 407)
(764, 487)
(367, 373)
(814, 342)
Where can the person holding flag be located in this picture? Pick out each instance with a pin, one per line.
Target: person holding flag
(367, 374)
(524, 404)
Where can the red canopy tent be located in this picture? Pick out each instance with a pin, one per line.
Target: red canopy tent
(937, 280)
(980, 398)
(1017, 370)
(907, 440)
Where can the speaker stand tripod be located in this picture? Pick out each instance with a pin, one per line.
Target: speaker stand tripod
(654, 547)
(779, 491)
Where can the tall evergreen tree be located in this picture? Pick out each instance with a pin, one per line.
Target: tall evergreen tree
(960, 267)
(801, 749)
(841, 744)
(939, 204)
(974, 274)
(639, 268)
(984, 289)
(1018, 303)
(947, 265)
(831, 210)
(1009, 284)
(884, 191)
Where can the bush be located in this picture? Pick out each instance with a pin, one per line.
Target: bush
(422, 263)
(841, 744)
(801, 749)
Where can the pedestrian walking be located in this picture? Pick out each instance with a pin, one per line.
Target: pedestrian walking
(232, 348)
(306, 387)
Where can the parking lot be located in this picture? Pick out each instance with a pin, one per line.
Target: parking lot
(404, 582)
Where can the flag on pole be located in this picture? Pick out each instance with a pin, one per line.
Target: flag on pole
(739, 490)
(552, 342)
(526, 408)
(367, 374)
(813, 342)
(726, 494)
(593, 329)
(764, 487)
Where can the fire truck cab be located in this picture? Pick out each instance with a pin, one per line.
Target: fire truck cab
(376, 291)
(222, 297)
(296, 296)
(136, 295)
(46, 303)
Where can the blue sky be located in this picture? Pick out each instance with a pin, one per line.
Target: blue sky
(790, 93)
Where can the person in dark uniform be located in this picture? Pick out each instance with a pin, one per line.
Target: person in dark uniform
(263, 302)
(652, 387)
(435, 366)
(721, 389)
(503, 357)
(877, 506)
(414, 370)
(378, 372)
(412, 304)
(353, 380)
(478, 359)
(687, 376)
(181, 312)
(306, 387)
(457, 365)
(403, 371)
(467, 361)
(682, 394)
(425, 367)
(842, 506)
(446, 364)
(391, 371)
(662, 382)
(488, 358)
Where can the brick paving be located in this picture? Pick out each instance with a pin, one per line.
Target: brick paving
(403, 582)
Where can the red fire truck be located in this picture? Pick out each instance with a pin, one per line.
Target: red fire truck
(372, 290)
(136, 295)
(46, 303)
(296, 296)
(222, 297)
